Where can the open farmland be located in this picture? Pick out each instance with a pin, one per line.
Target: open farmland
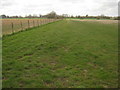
(62, 54)
(10, 26)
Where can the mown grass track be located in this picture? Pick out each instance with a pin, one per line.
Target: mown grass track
(62, 54)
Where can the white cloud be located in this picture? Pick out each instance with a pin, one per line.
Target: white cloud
(71, 7)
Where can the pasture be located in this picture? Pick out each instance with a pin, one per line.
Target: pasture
(67, 53)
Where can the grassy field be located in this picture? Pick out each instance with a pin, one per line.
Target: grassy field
(62, 54)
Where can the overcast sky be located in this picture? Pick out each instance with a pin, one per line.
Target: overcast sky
(71, 7)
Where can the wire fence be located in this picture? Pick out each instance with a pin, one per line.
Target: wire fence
(10, 26)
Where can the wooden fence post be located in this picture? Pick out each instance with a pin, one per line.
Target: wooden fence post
(37, 23)
(21, 25)
(33, 24)
(45, 21)
(49, 20)
(28, 24)
(12, 27)
(40, 22)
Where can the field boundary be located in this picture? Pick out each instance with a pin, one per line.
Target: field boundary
(31, 28)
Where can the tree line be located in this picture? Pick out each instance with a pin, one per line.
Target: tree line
(49, 15)
(53, 15)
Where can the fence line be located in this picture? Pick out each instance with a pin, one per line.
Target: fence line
(22, 24)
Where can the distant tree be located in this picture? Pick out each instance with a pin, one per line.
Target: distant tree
(117, 18)
(65, 15)
(87, 15)
(72, 16)
(102, 16)
(78, 16)
(51, 15)
(3, 16)
(7, 17)
(40, 16)
(20, 16)
(29, 16)
(14, 17)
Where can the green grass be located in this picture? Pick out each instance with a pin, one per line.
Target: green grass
(62, 54)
